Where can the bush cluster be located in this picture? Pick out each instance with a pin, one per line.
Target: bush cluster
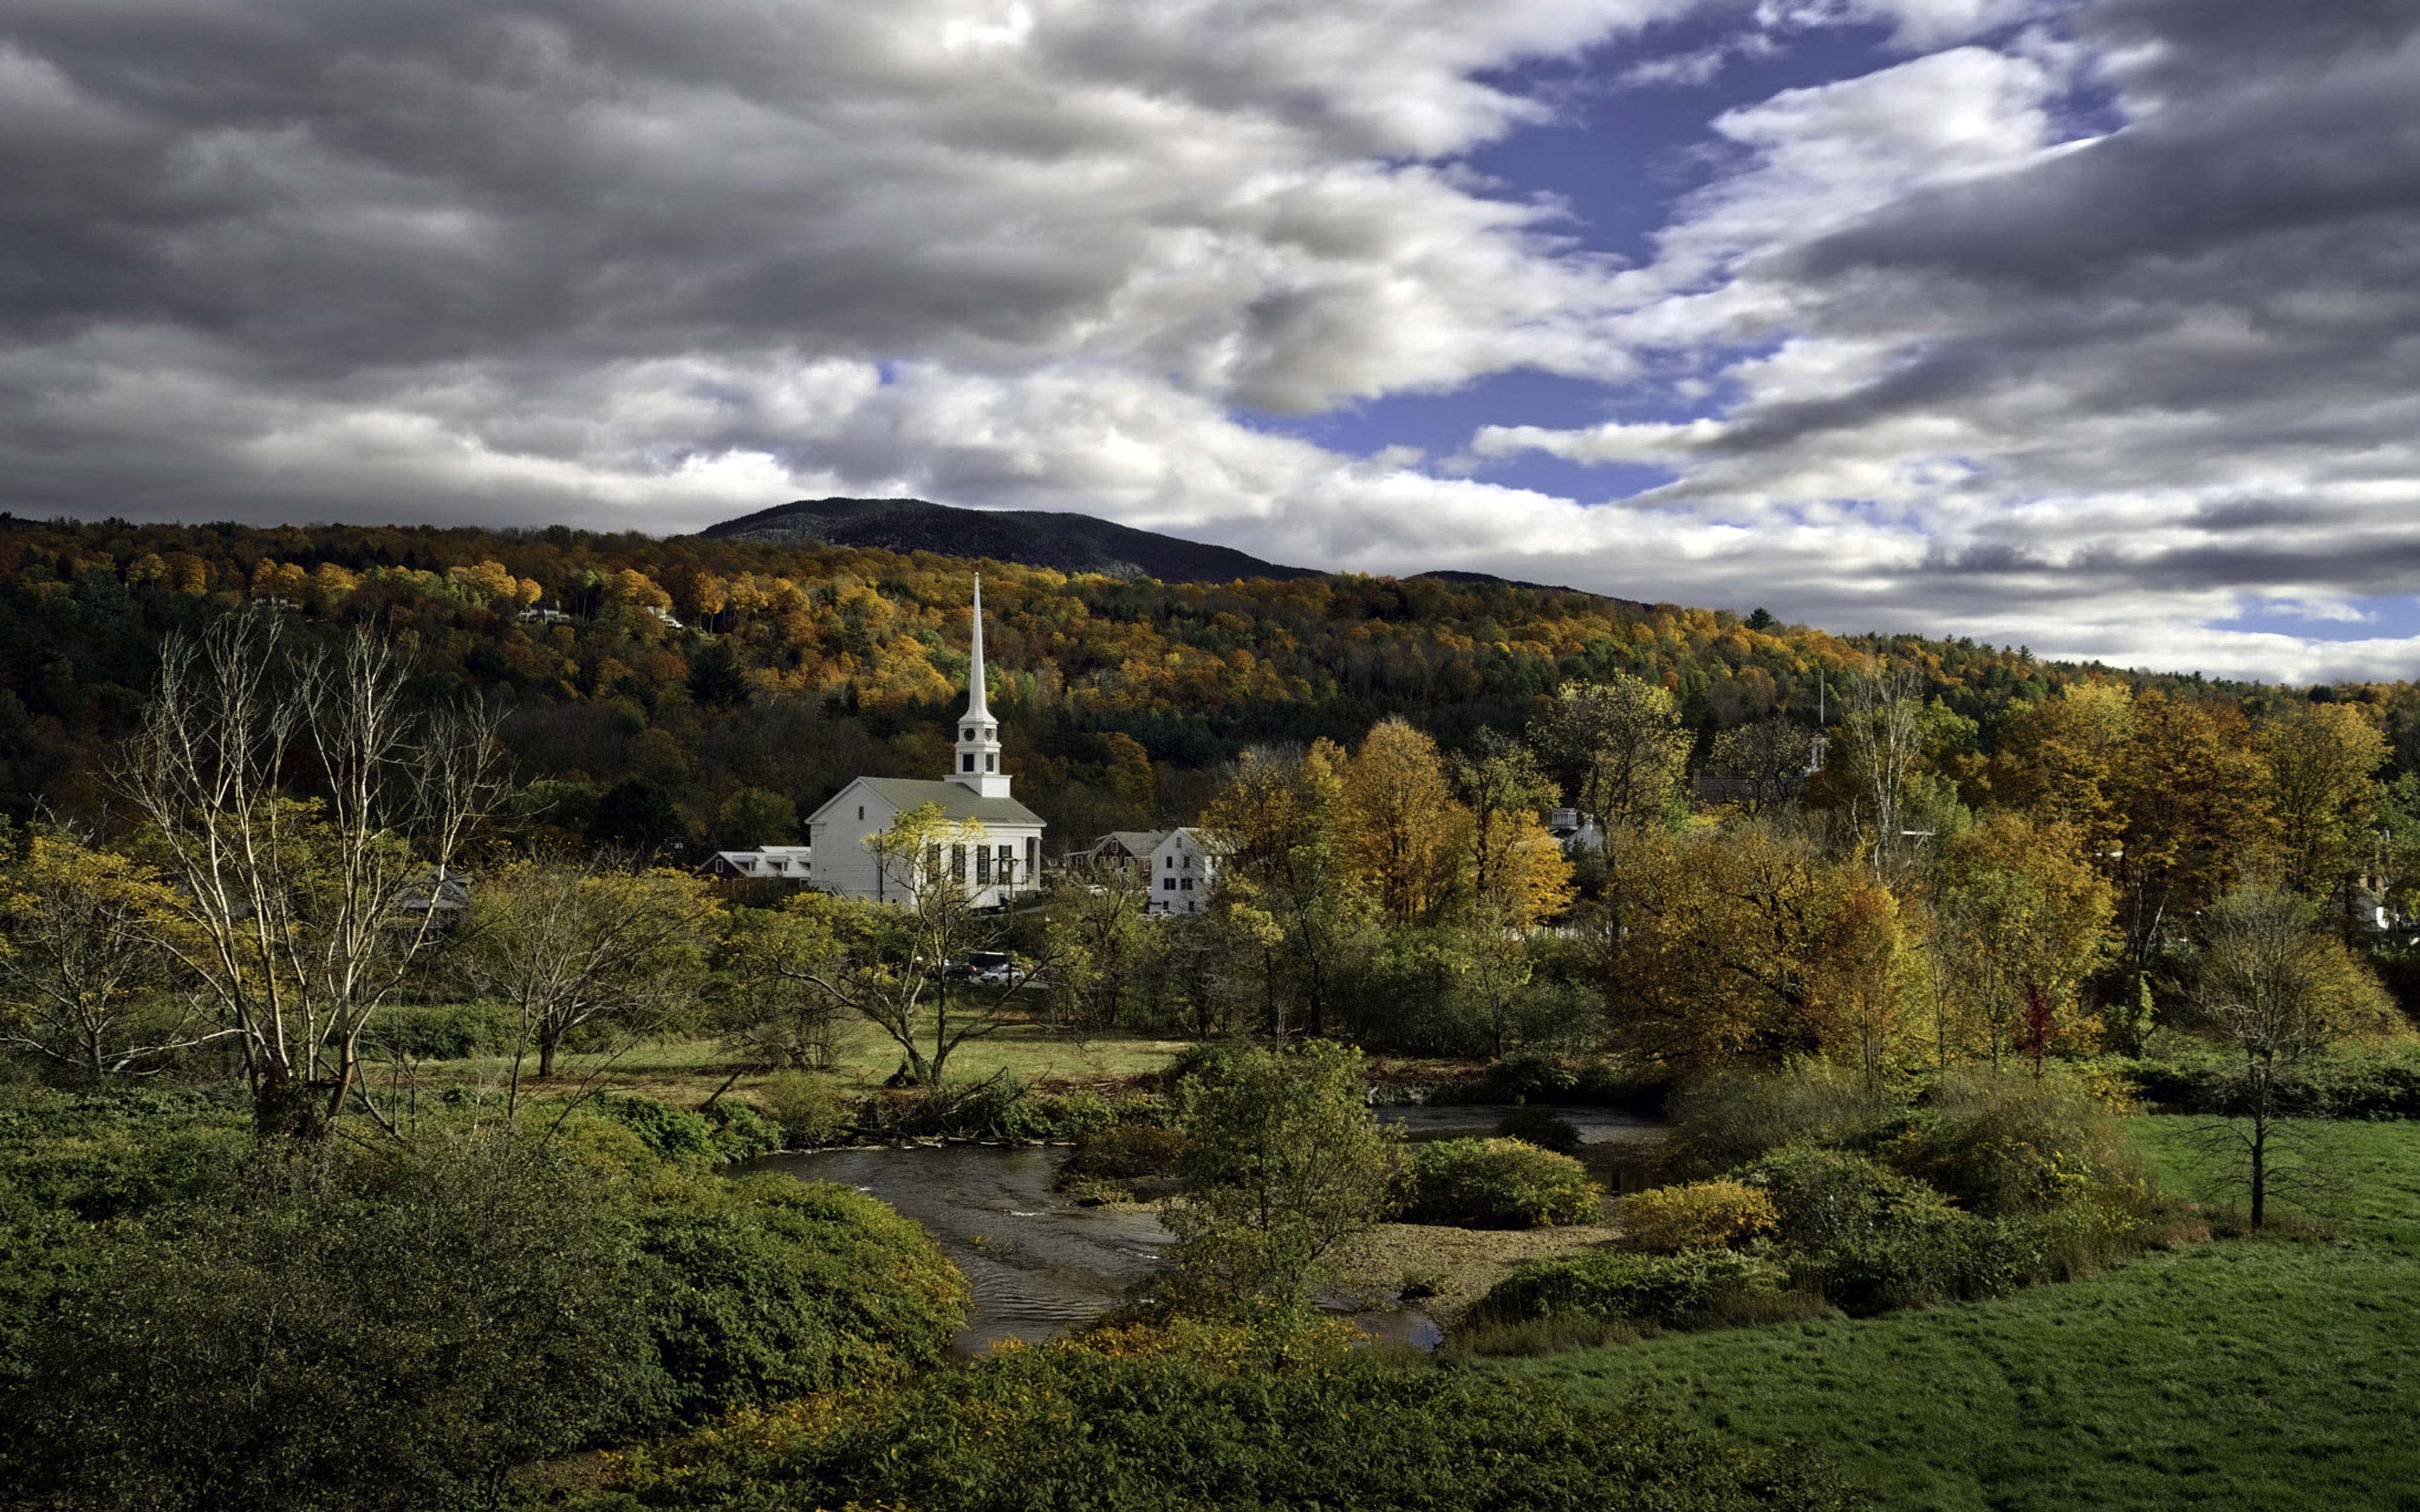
(1497, 1183)
(191, 1318)
(997, 1108)
(810, 1110)
(2345, 1083)
(1540, 1127)
(1699, 1215)
(727, 1131)
(1670, 1290)
(1134, 1419)
(442, 1031)
(1124, 1152)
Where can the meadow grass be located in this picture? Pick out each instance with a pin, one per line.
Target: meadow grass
(2266, 1373)
(689, 1070)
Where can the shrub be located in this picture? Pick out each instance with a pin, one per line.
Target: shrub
(1700, 1215)
(810, 1110)
(341, 1336)
(2002, 1142)
(1125, 1422)
(1124, 1153)
(1733, 1116)
(1283, 1162)
(691, 1140)
(1824, 1198)
(736, 1131)
(1497, 1183)
(444, 1031)
(997, 1108)
(677, 1135)
(1539, 1127)
(1617, 1285)
(770, 1288)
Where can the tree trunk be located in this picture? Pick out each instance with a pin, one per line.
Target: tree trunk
(548, 1041)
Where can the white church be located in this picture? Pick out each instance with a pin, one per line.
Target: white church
(997, 857)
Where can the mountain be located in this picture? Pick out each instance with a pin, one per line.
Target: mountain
(1031, 537)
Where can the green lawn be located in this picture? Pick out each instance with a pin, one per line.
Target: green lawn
(690, 1069)
(2263, 1374)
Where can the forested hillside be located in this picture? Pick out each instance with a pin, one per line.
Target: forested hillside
(709, 668)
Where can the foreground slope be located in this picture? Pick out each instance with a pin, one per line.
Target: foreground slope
(2273, 1374)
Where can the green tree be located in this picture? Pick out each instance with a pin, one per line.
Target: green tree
(1619, 747)
(2273, 991)
(890, 962)
(569, 948)
(638, 814)
(84, 975)
(751, 817)
(1282, 1162)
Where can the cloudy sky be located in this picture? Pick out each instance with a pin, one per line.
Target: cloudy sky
(2090, 324)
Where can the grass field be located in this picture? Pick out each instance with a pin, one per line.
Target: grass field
(691, 1070)
(2244, 1374)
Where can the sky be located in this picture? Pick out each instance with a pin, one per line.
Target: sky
(2089, 325)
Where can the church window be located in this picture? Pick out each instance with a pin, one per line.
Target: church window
(970, 733)
(966, 762)
(932, 861)
(957, 863)
(991, 762)
(1033, 855)
(983, 865)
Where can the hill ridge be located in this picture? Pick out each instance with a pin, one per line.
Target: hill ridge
(1064, 541)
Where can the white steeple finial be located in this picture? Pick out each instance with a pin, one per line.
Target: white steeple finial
(976, 709)
(976, 760)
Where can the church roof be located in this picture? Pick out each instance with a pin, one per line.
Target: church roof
(956, 802)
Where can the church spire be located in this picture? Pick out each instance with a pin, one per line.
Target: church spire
(976, 709)
(977, 762)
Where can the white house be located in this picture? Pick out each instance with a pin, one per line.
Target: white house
(1129, 848)
(997, 857)
(793, 864)
(1181, 867)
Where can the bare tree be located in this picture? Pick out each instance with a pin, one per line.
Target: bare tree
(568, 946)
(2274, 990)
(83, 979)
(300, 915)
(1885, 706)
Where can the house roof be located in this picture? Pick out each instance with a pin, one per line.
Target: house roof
(956, 803)
(1209, 842)
(1137, 842)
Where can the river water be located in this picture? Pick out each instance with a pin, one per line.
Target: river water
(1039, 1264)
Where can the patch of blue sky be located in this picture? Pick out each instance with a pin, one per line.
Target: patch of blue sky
(2382, 618)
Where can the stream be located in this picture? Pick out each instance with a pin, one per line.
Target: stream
(1039, 1264)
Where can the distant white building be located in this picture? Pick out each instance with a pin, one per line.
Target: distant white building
(996, 858)
(1573, 829)
(793, 864)
(1127, 847)
(1181, 867)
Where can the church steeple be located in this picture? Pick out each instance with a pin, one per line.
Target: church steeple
(977, 761)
